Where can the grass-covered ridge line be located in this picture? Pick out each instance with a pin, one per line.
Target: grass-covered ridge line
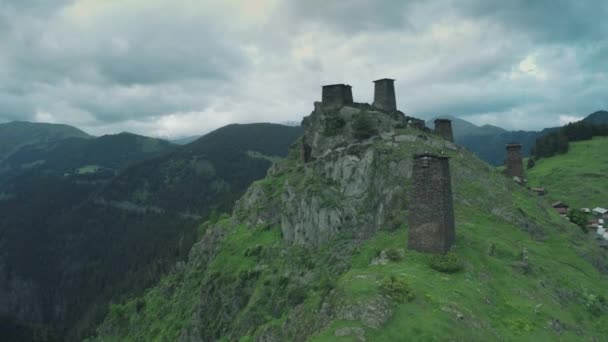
(579, 177)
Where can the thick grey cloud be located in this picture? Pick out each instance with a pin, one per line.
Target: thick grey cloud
(181, 67)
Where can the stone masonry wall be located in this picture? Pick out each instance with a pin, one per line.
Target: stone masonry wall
(384, 95)
(444, 128)
(431, 211)
(514, 163)
(337, 95)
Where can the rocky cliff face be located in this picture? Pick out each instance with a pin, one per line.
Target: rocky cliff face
(355, 181)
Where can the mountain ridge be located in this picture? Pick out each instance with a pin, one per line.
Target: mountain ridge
(17, 134)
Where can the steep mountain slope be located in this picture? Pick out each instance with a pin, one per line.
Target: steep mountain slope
(579, 177)
(185, 140)
(210, 173)
(316, 251)
(109, 237)
(39, 183)
(14, 135)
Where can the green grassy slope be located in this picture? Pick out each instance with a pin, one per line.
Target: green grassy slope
(579, 177)
(243, 283)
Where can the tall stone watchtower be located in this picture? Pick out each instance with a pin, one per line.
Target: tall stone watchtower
(384, 95)
(431, 211)
(337, 95)
(514, 163)
(444, 128)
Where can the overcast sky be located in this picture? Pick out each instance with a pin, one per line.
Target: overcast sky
(173, 68)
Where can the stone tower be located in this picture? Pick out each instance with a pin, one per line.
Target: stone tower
(337, 95)
(384, 95)
(443, 127)
(431, 211)
(514, 163)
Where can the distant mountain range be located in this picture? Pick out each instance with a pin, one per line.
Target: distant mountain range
(488, 142)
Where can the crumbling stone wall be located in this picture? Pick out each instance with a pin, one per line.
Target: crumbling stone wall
(443, 127)
(337, 95)
(431, 210)
(514, 163)
(384, 95)
(415, 123)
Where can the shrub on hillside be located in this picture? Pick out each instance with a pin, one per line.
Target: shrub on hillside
(396, 289)
(531, 163)
(394, 255)
(363, 127)
(579, 218)
(333, 125)
(595, 304)
(446, 263)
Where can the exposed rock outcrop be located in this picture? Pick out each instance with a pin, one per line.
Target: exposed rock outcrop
(356, 180)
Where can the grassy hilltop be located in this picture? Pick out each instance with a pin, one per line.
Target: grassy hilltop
(518, 270)
(579, 177)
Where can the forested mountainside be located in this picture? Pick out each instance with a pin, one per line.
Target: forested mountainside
(17, 134)
(107, 226)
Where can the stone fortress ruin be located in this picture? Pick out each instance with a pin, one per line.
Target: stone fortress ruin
(337, 95)
(431, 213)
(338, 124)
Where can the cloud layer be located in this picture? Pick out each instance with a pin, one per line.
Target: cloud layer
(182, 67)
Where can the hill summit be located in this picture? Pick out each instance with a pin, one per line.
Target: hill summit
(318, 250)
(17, 134)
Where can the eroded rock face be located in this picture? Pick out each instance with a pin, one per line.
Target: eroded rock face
(373, 313)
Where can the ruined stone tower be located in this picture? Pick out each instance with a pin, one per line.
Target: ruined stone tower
(514, 163)
(443, 127)
(384, 95)
(431, 212)
(337, 95)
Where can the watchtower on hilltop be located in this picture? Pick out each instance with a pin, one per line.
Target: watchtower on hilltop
(337, 95)
(514, 163)
(431, 211)
(443, 127)
(384, 95)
